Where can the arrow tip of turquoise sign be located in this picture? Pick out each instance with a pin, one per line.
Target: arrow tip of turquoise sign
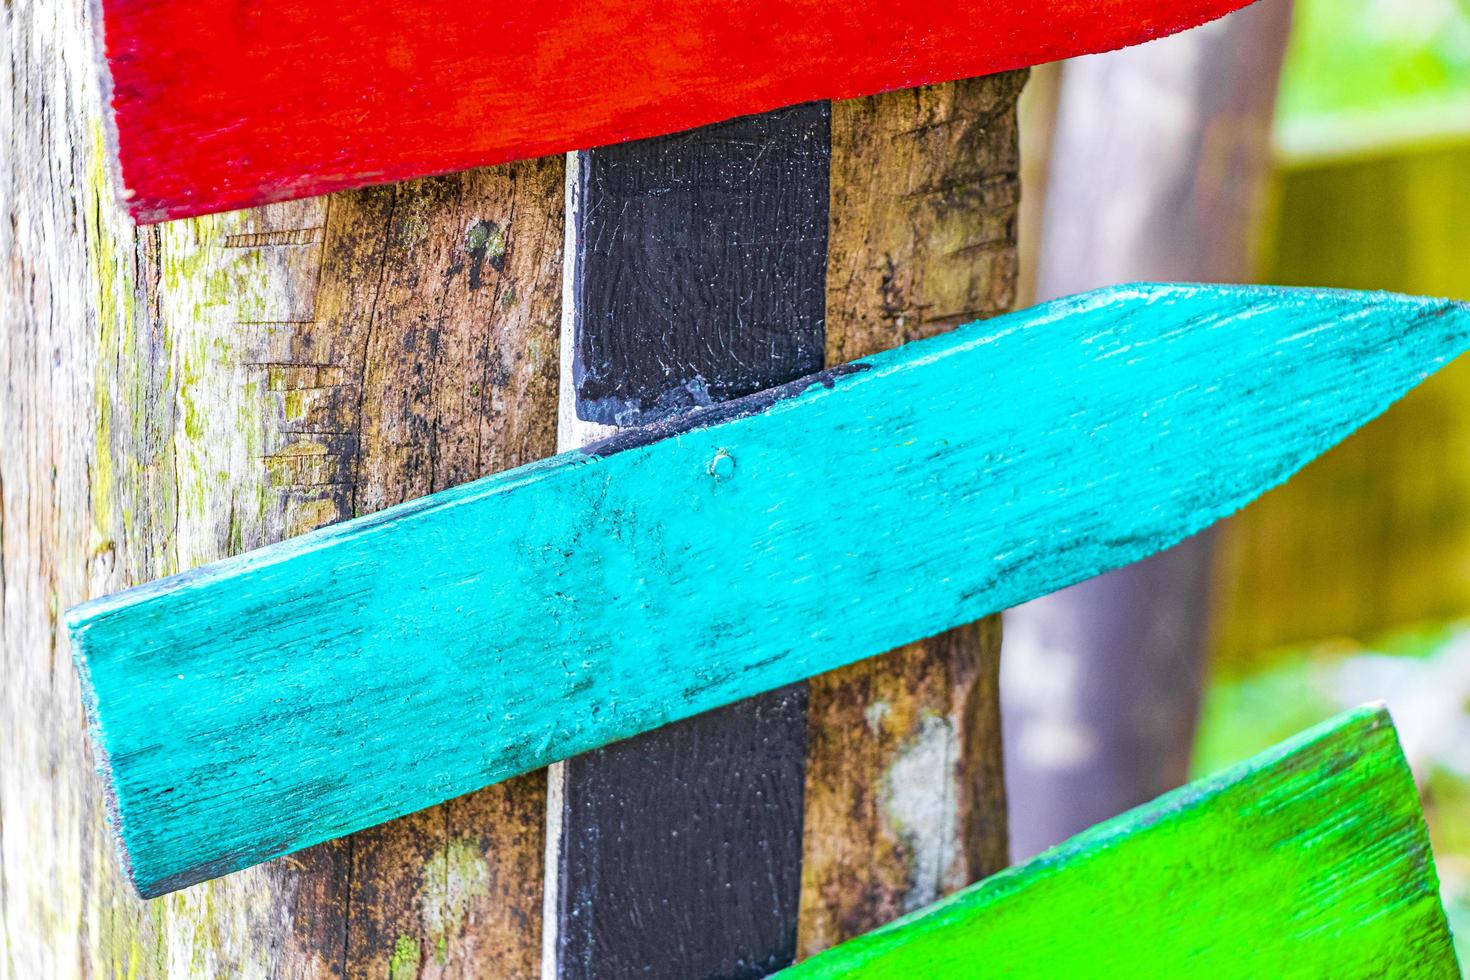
(336, 680)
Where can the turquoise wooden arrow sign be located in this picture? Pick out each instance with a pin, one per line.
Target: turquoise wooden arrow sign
(340, 679)
(1309, 860)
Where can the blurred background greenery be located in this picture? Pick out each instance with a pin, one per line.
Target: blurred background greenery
(1352, 582)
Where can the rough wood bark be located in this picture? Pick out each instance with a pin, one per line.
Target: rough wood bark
(206, 387)
(923, 238)
(1158, 171)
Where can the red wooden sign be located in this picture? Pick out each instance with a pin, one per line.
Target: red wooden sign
(223, 104)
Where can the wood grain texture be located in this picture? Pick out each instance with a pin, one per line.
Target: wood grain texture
(681, 852)
(924, 199)
(219, 107)
(187, 392)
(699, 275)
(905, 787)
(1308, 860)
(64, 909)
(598, 594)
(702, 267)
(459, 340)
(1159, 171)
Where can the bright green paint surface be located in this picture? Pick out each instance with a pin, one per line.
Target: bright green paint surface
(352, 675)
(1309, 860)
(1424, 676)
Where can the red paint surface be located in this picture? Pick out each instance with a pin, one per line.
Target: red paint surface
(227, 103)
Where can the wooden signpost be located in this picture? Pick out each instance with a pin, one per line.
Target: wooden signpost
(1309, 860)
(919, 239)
(249, 377)
(317, 687)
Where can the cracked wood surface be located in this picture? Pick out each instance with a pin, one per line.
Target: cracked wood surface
(196, 389)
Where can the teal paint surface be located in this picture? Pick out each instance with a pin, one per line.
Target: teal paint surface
(354, 674)
(1310, 860)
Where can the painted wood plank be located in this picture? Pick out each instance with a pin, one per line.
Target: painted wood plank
(220, 107)
(362, 671)
(702, 265)
(1308, 860)
(699, 275)
(681, 848)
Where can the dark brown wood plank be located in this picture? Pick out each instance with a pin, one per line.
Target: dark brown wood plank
(458, 332)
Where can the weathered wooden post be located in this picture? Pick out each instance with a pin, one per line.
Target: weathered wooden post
(685, 846)
(199, 388)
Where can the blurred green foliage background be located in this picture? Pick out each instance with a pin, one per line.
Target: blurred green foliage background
(1352, 582)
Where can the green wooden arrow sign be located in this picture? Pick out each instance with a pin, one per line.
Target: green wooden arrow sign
(1309, 860)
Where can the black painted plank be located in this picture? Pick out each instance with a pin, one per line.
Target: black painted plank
(701, 266)
(682, 854)
(701, 276)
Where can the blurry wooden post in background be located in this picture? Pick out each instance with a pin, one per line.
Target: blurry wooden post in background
(1158, 167)
(195, 389)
